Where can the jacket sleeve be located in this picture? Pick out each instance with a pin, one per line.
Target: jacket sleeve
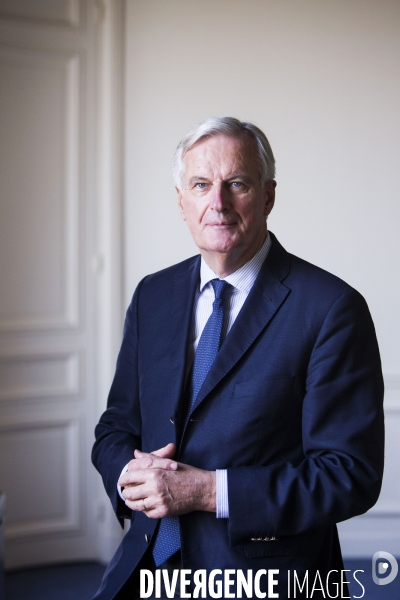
(341, 470)
(118, 433)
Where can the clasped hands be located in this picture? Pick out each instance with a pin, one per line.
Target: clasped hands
(160, 487)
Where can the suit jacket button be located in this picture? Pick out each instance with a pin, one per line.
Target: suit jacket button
(147, 537)
(172, 420)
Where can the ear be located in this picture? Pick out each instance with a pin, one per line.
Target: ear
(180, 204)
(269, 191)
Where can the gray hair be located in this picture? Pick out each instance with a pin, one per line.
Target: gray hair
(231, 127)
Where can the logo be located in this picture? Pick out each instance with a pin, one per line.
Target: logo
(381, 573)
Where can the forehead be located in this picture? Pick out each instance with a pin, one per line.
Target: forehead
(221, 156)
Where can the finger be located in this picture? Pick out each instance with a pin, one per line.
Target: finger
(150, 513)
(141, 498)
(132, 478)
(147, 470)
(167, 452)
(135, 494)
(137, 502)
(144, 460)
(149, 461)
(150, 506)
(138, 472)
(137, 505)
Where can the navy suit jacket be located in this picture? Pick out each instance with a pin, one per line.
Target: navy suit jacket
(292, 408)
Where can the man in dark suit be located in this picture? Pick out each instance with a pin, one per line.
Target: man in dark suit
(246, 411)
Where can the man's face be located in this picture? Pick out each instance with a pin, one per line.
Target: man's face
(222, 199)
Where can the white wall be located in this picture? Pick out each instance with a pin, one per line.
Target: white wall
(321, 78)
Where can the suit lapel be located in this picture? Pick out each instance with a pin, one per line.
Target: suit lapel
(265, 298)
(184, 290)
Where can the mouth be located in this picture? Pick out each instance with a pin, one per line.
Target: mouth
(223, 225)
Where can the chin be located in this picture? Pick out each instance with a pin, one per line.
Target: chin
(220, 248)
(222, 244)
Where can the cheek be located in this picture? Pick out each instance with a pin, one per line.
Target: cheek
(194, 223)
(195, 213)
(252, 214)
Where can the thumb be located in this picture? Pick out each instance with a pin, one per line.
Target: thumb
(167, 452)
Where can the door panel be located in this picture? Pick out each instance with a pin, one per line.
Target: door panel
(51, 71)
(40, 95)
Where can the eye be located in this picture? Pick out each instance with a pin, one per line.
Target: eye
(237, 185)
(200, 185)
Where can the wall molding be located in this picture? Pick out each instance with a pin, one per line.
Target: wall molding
(69, 64)
(72, 18)
(14, 369)
(70, 521)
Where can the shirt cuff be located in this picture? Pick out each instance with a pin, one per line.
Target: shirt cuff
(119, 488)
(222, 494)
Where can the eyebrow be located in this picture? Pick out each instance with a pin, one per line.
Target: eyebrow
(245, 178)
(196, 178)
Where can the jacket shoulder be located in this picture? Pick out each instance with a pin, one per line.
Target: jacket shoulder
(167, 275)
(319, 290)
(304, 277)
(315, 277)
(160, 285)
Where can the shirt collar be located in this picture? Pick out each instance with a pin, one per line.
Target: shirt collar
(242, 279)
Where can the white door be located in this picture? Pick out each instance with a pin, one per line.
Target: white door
(51, 271)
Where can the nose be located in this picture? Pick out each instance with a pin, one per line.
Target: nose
(220, 199)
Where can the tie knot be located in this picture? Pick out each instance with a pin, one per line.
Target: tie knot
(220, 287)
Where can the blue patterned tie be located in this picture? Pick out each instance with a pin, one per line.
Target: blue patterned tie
(168, 539)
